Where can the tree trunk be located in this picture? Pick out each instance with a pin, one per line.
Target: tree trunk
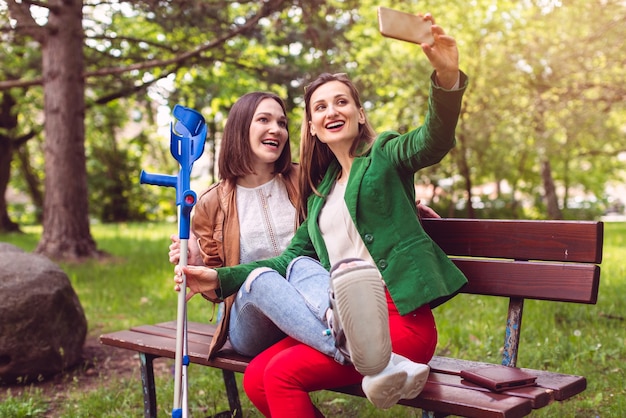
(32, 181)
(6, 225)
(66, 234)
(552, 203)
(8, 123)
(467, 176)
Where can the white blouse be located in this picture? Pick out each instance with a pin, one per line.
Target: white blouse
(266, 220)
(340, 235)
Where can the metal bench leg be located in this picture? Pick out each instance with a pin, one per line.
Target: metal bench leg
(147, 381)
(233, 393)
(233, 397)
(513, 332)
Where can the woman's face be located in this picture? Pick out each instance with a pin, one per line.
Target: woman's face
(268, 132)
(335, 117)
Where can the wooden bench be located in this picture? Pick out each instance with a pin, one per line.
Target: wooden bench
(518, 260)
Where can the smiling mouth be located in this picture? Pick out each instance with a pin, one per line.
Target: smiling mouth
(271, 143)
(335, 125)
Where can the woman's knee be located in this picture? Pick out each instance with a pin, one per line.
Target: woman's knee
(304, 267)
(255, 275)
(304, 262)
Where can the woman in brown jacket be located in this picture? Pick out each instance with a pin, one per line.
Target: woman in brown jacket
(248, 215)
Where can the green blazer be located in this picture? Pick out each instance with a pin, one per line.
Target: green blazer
(380, 196)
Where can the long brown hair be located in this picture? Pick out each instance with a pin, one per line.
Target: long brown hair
(235, 159)
(316, 156)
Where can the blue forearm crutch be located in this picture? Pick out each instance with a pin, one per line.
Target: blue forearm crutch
(188, 135)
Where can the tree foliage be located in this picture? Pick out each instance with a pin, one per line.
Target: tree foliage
(544, 110)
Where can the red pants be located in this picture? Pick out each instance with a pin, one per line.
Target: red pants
(278, 380)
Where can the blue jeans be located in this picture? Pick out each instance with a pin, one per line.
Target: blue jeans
(269, 306)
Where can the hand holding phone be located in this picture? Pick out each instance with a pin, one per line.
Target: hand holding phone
(404, 26)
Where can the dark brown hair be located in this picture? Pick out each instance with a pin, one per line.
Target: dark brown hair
(316, 156)
(235, 158)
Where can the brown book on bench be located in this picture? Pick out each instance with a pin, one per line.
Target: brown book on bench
(499, 378)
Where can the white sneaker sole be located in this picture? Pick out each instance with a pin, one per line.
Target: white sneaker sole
(360, 309)
(386, 389)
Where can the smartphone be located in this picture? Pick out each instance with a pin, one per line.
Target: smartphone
(404, 26)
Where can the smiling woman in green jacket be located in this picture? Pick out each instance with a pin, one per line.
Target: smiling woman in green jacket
(359, 200)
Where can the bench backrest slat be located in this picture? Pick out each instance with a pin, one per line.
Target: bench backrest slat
(567, 241)
(563, 282)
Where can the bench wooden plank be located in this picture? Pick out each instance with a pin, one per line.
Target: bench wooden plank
(538, 396)
(201, 328)
(519, 239)
(162, 330)
(564, 386)
(564, 282)
(460, 401)
(161, 346)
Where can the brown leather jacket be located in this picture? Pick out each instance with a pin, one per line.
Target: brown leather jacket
(216, 226)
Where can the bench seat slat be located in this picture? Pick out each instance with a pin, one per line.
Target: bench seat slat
(469, 403)
(161, 346)
(565, 282)
(171, 333)
(519, 239)
(453, 400)
(201, 328)
(538, 396)
(564, 386)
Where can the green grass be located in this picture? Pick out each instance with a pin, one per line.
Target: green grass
(29, 405)
(135, 287)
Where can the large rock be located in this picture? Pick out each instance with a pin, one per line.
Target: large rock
(42, 323)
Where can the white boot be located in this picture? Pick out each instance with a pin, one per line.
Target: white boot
(401, 379)
(359, 319)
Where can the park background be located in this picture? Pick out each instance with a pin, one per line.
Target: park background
(541, 136)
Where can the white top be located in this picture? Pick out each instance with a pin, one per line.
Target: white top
(340, 235)
(266, 220)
